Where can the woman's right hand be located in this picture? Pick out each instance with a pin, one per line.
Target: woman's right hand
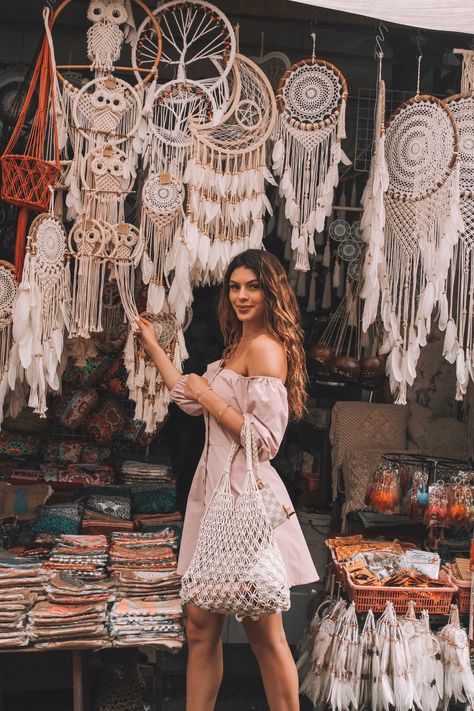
(146, 334)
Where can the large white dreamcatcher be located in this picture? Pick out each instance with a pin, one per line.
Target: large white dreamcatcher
(8, 291)
(457, 312)
(226, 177)
(41, 311)
(198, 44)
(422, 224)
(146, 387)
(312, 98)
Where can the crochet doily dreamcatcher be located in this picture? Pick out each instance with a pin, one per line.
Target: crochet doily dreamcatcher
(162, 209)
(422, 225)
(312, 98)
(457, 310)
(42, 311)
(226, 177)
(146, 387)
(198, 43)
(8, 291)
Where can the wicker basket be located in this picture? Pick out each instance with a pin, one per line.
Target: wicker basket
(369, 597)
(464, 591)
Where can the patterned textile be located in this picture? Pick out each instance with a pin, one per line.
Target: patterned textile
(358, 470)
(59, 518)
(79, 408)
(159, 500)
(107, 422)
(357, 425)
(117, 505)
(18, 445)
(21, 501)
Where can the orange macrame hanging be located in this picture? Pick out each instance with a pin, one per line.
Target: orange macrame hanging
(29, 171)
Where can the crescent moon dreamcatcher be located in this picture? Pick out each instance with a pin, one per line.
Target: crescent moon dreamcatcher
(457, 311)
(145, 384)
(226, 177)
(311, 97)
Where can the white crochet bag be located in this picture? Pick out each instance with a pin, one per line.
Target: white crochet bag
(237, 568)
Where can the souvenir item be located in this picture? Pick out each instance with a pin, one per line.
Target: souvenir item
(8, 291)
(124, 250)
(79, 408)
(385, 494)
(107, 422)
(105, 36)
(458, 676)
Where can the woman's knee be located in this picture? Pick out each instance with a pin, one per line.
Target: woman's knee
(203, 627)
(266, 638)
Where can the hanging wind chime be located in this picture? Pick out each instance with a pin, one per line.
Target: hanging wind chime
(312, 98)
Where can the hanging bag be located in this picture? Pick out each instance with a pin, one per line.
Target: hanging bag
(236, 567)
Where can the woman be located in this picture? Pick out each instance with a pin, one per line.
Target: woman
(258, 315)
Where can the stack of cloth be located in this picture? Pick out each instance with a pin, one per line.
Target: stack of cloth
(142, 472)
(143, 551)
(107, 509)
(66, 588)
(14, 606)
(28, 574)
(85, 556)
(141, 622)
(57, 626)
(155, 523)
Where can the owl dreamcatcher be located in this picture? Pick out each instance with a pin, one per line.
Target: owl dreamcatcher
(146, 387)
(41, 312)
(226, 177)
(161, 217)
(107, 178)
(8, 291)
(457, 312)
(311, 98)
(105, 37)
(124, 251)
(422, 225)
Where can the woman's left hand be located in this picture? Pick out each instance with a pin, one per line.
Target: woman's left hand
(194, 386)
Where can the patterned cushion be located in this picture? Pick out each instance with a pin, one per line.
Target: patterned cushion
(107, 422)
(59, 518)
(365, 425)
(79, 408)
(116, 505)
(160, 500)
(22, 501)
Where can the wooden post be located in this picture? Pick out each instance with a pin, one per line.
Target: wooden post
(158, 685)
(77, 680)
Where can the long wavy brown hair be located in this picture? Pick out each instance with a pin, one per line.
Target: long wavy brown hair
(282, 319)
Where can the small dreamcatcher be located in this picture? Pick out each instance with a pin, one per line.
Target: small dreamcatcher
(8, 291)
(105, 37)
(124, 250)
(312, 98)
(146, 387)
(162, 207)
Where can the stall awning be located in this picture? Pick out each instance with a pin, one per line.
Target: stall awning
(444, 15)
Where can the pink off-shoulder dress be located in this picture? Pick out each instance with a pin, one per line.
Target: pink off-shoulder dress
(265, 400)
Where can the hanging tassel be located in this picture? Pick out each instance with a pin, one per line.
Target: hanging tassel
(311, 307)
(326, 301)
(327, 255)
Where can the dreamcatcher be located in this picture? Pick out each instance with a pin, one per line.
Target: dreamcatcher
(124, 250)
(198, 44)
(422, 222)
(457, 310)
(146, 387)
(312, 97)
(41, 311)
(28, 171)
(162, 208)
(105, 37)
(8, 291)
(226, 177)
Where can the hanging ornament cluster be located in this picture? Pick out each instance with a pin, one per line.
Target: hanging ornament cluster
(312, 98)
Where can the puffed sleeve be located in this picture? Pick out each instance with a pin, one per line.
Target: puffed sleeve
(265, 402)
(191, 407)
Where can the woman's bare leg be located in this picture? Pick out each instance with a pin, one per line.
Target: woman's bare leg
(280, 678)
(205, 664)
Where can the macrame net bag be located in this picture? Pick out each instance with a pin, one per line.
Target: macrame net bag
(145, 384)
(30, 170)
(124, 250)
(422, 225)
(457, 313)
(160, 225)
(237, 568)
(226, 175)
(8, 291)
(41, 311)
(312, 97)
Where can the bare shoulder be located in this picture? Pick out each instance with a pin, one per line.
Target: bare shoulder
(266, 357)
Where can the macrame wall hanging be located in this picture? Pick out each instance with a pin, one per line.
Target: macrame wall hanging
(457, 313)
(124, 251)
(422, 225)
(8, 291)
(105, 37)
(146, 387)
(226, 177)
(30, 170)
(311, 97)
(107, 178)
(41, 312)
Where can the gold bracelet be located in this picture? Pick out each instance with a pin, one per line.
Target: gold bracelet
(220, 414)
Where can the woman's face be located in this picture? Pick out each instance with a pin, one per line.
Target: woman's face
(245, 295)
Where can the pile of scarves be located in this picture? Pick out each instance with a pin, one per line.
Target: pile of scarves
(141, 472)
(86, 556)
(143, 551)
(137, 622)
(57, 626)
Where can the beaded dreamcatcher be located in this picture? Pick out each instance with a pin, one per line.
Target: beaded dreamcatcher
(42, 311)
(146, 387)
(226, 177)
(162, 209)
(457, 307)
(422, 225)
(8, 291)
(311, 98)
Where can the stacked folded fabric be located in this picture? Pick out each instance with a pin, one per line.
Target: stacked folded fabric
(147, 584)
(54, 626)
(86, 556)
(142, 472)
(143, 551)
(66, 588)
(95, 523)
(14, 606)
(149, 523)
(107, 509)
(133, 622)
(27, 574)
